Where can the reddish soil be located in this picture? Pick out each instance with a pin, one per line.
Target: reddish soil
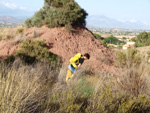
(67, 44)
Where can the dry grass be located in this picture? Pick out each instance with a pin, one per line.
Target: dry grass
(38, 88)
(134, 80)
(7, 33)
(37, 33)
(144, 53)
(23, 89)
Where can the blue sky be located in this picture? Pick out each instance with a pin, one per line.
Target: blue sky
(123, 10)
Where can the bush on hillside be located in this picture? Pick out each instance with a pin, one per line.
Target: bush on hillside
(19, 31)
(31, 51)
(143, 39)
(57, 13)
(131, 58)
(98, 36)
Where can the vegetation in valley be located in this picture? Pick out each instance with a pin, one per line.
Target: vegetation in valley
(113, 40)
(109, 40)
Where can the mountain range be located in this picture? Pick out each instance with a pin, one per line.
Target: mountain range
(94, 21)
(10, 19)
(106, 22)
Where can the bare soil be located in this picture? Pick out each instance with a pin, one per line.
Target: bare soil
(66, 44)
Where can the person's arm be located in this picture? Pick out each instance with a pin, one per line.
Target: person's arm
(74, 65)
(79, 65)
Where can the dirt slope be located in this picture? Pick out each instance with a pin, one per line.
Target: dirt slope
(67, 44)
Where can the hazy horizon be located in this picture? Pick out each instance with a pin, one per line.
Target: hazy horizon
(123, 11)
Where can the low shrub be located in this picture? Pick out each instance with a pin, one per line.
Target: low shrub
(19, 31)
(105, 101)
(129, 59)
(32, 51)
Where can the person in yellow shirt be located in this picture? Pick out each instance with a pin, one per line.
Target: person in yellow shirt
(75, 62)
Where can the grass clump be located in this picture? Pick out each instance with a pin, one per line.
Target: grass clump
(19, 31)
(23, 89)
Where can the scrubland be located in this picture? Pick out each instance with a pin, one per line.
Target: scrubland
(40, 88)
(33, 81)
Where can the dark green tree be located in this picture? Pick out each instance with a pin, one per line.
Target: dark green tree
(57, 13)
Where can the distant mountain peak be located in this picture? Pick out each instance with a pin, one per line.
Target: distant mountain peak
(106, 22)
(10, 19)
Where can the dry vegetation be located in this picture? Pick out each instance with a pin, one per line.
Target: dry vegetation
(7, 33)
(144, 52)
(38, 88)
(17, 34)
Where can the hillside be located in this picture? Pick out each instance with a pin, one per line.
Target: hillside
(67, 44)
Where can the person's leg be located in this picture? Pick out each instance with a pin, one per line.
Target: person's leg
(69, 75)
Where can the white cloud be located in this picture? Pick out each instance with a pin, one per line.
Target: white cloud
(13, 6)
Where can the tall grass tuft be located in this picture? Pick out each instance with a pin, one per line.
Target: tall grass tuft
(23, 89)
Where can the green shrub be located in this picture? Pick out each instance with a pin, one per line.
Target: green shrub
(28, 23)
(143, 39)
(84, 88)
(58, 13)
(31, 51)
